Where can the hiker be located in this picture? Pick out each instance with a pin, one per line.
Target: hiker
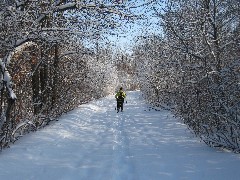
(120, 99)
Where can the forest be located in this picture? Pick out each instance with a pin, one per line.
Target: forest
(53, 57)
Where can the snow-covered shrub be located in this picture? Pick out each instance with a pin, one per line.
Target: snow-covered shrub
(196, 67)
(43, 61)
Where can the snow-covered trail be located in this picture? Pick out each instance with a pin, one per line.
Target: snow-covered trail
(93, 142)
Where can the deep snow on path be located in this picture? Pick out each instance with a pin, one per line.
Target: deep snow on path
(94, 142)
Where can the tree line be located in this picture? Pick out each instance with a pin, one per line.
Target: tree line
(192, 67)
(52, 59)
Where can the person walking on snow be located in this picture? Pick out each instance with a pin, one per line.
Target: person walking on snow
(120, 99)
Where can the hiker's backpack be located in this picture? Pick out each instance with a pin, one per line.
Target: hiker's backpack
(121, 96)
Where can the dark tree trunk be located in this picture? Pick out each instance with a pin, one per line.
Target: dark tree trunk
(55, 75)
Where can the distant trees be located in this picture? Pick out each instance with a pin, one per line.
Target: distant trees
(126, 71)
(195, 67)
(154, 70)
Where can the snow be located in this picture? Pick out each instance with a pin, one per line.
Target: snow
(7, 79)
(66, 6)
(95, 142)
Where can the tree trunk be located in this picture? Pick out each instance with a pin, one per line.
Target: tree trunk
(55, 75)
(35, 89)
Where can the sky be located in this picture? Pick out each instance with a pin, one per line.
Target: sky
(128, 34)
(94, 142)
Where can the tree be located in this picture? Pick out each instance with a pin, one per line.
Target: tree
(33, 35)
(200, 44)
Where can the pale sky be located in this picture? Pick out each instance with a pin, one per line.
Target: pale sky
(126, 36)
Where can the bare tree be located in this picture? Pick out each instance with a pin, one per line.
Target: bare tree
(199, 65)
(42, 57)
